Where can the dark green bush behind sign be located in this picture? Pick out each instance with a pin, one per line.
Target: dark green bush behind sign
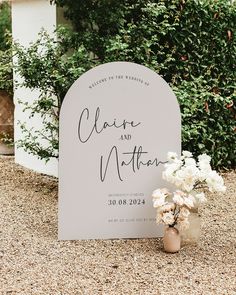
(190, 43)
(6, 74)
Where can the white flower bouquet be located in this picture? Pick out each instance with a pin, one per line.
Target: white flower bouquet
(188, 175)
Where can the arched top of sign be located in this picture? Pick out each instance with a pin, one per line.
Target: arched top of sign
(117, 123)
(114, 72)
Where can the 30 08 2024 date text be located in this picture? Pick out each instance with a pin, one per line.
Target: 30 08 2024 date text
(125, 202)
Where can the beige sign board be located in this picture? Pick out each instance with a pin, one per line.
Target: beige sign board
(117, 123)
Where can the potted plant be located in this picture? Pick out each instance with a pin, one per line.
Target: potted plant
(174, 209)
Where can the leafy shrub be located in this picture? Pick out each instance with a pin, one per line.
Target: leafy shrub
(49, 67)
(178, 39)
(191, 44)
(208, 121)
(5, 24)
(6, 75)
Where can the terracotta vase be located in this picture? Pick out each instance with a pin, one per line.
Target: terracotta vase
(6, 122)
(171, 240)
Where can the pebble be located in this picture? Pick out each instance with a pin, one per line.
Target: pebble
(34, 262)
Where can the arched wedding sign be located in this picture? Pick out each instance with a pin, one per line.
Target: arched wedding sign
(117, 123)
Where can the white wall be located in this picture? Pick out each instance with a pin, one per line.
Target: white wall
(28, 17)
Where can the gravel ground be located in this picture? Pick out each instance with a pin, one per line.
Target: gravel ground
(33, 261)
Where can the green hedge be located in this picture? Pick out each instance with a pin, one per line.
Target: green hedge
(190, 43)
(5, 24)
(6, 79)
(208, 121)
(179, 39)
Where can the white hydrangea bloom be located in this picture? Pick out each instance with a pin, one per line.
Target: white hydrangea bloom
(204, 166)
(169, 174)
(170, 168)
(190, 162)
(188, 202)
(191, 197)
(176, 179)
(168, 207)
(186, 178)
(159, 197)
(177, 199)
(187, 154)
(158, 193)
(204, 158)
(204, 170)
(215, 182)
(168, 218)
(159, 202)
(171, 156)
(177, 163)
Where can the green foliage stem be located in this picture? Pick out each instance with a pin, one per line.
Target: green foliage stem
(49, 65)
